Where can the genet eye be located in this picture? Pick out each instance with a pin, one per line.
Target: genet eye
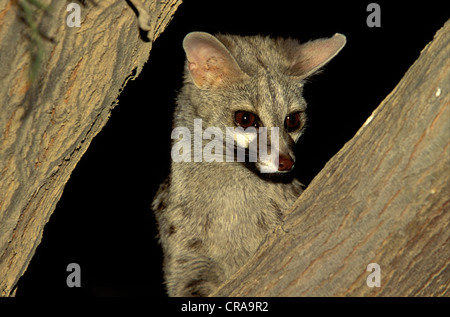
(246, 119)
(292, 122)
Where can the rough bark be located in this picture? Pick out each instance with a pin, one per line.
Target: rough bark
(383, 198)
(47, 125)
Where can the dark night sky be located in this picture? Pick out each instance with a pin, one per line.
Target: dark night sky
(103, 221)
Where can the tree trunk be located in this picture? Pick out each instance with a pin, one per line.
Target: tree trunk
(383, 198)
(46, 125)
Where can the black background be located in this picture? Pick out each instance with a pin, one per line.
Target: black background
(103, 221)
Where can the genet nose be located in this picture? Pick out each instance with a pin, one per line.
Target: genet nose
(285, 163)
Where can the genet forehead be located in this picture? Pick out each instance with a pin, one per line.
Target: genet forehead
(277, 95)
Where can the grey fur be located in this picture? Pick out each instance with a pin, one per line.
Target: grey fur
(213, 216)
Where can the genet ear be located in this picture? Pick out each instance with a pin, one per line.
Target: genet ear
(311, 56)
(209, 61)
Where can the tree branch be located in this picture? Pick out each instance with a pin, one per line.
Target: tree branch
(47, 125)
